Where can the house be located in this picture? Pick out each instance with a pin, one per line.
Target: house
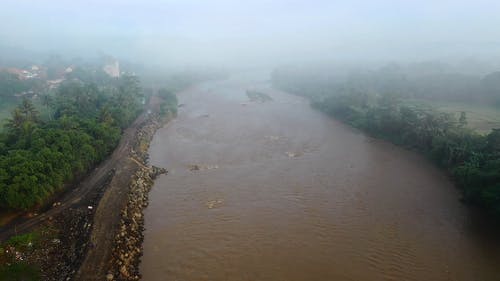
(112, 68)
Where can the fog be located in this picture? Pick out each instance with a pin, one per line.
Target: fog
(223, 32)
(250, 140)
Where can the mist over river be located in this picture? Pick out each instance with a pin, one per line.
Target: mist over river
(278, 191)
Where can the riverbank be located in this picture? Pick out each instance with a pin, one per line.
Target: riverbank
(117, 235)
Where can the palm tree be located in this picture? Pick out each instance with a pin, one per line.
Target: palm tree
(48, 102)
(23, 120)
(15, 123)
(28, 109)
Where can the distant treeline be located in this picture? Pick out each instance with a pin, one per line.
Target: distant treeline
(471, 158)
(86, 119)
(430, 83)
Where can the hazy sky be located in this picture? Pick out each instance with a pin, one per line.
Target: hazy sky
(223, 31)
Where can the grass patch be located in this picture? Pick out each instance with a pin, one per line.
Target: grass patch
(19, 271)
(13, 267)
(480, 117)
(24, 240)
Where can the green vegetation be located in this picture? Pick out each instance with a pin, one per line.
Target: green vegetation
(10, 87)
(169, 103)
(12, 262)
(473, 159)
(23, 241)
(38, 155)
(258, 96)
(420, 82)
(480, 117)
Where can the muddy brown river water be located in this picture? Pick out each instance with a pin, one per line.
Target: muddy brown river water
(278, 191)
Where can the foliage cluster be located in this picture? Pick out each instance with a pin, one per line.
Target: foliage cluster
(38, 156)
(169, 103)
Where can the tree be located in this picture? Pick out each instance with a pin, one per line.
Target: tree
(48, 102)
(15, 123)
(28, 109)
(463, 119)
(37, 158)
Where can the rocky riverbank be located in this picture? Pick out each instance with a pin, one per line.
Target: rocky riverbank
(127, 247)
(128, 242)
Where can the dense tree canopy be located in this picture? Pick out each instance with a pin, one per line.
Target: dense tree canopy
(38, 156)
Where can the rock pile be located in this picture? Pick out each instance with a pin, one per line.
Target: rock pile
(127, 248)
(144, 136)
(128, 241)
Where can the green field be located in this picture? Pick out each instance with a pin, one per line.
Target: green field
(480, 117)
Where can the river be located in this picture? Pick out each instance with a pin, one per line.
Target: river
(283, 192)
